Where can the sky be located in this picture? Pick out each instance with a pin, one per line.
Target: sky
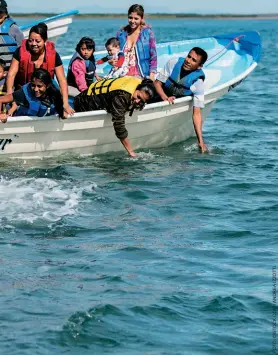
(93, 6)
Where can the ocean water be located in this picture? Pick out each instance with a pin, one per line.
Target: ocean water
(173, 252)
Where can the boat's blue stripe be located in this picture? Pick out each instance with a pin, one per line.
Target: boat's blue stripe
(251, 42)
(56, 17)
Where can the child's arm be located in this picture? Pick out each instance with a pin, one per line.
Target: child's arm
(4, 116)
(4, 100)
(12, 110)
(103, 60)
(98, 77)
(121, 59)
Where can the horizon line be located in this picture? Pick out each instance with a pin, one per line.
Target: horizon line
(151, 13)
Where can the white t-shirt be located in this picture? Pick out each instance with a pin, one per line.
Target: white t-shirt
(198, 88)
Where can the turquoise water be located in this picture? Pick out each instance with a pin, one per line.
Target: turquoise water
(169, 253)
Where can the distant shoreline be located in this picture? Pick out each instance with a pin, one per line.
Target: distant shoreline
(160, 15)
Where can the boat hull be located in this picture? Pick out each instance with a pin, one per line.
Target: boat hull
(158, 125)
(93, 133)
(56, 25)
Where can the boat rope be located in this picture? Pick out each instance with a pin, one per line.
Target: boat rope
(236, 39)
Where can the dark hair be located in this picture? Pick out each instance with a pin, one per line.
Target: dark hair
(53, 93)
(139, 10)
(2, 63)
(42, 75)
(148, 87)
(199, 51)
(90, 44)
(4, 6)
(113, 41)
(40, 29)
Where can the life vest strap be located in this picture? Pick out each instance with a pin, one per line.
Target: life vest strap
(178, 85)
(94, 87)
(111, 82)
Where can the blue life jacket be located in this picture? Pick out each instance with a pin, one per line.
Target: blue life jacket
(36, 107)
(90, 71)
(7, 43)
(186, 82)
(142, 48)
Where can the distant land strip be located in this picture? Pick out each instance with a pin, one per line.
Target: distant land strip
(158, 15)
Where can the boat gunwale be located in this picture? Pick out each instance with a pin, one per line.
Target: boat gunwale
(149, 106)
(49, 19)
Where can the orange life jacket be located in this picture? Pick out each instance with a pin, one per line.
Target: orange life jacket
(26, 66)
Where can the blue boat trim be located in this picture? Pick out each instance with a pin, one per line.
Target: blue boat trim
(230, 56)
(251, 42)
(49, 19)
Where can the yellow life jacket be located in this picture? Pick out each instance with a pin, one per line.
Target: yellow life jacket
(126, 83)
(3, 87)
(2, 93)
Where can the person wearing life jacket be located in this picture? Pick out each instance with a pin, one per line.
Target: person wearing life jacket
(185, 77)
(37, 98)
(36, 52)
(10, 34)
(117, 97)
(137, 42)
(82, 67)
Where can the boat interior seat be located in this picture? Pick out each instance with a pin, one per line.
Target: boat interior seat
(213, 76)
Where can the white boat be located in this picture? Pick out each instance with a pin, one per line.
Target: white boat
(56, 25)
(231, 58)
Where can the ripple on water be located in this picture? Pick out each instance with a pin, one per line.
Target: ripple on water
(40, 201)
(170, 253)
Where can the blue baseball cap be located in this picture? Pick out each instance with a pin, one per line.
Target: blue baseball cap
(3, 6)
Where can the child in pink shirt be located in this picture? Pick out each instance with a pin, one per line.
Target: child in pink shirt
(82, 67)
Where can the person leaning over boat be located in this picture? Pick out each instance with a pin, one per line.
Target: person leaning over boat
(137, 42)
(37, 98)
(36, 52)
(11, 36)
(184, 77)
(117, 97)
